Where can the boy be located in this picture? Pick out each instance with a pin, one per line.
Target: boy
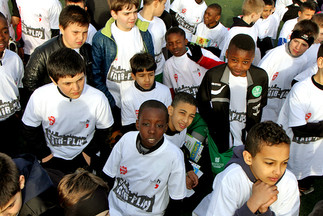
(283, 63)
(148, 169)
(181, 73)
(39, 23)
(303, 111)
(26, 188)
(251, 11)
(143, 87)
(73, 23)
(122, 37)
(211, 33)
(91, 29)
(187, 14)
(256, 180)
(306, 12)
(11, 71)
(231, 96)
(150, 13)
(74, 116)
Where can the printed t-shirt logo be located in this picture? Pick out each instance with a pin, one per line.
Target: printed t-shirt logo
(176, 77)
(123, 170)
(184, 10)
(307, 116)
(51, 120)
(275, 76)
(256, 91)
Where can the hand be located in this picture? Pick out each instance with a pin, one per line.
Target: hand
(262, 195)
(191, 180)
(87, 158)
(263, 208)
(196, 52)
(46, 159)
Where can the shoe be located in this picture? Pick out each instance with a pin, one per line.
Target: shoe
(305, 191)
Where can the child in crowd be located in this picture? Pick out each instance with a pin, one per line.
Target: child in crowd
(11, 71)
(267, 27)
(307, 10)
(255, 181)
(147, 167)
(302, 113)
(83, 194)
(211, 33)
(26, 188)
(73, 23)
(113, 46)
(181, 73)
(39, 23)
(82, 3)
(150, 13)
(75, 117)
(231, 96)
(188, 14)
(143, 87)
(283, 63)
(251, 12)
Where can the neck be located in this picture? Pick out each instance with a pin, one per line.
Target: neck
(171, 125)
(247, 19)
(318, 77)
(147, 13)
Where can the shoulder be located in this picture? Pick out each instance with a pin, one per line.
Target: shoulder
(257, 71)
(161, 87)
(45, 91)
(288, 182)
(92, 93)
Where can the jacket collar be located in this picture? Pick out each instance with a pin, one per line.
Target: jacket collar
(226, 75)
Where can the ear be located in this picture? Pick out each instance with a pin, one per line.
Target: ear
(133, 76)
(320, 62)
(53, 81)
(299, 13)
(21, 182)
(247, 157)
(137, 124)
(155, 3)
(186, 41)
(217, 17)
(114, 14)
(61, 29)
(170, 110)
(85, 8)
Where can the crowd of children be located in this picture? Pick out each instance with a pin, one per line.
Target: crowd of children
(141, 116)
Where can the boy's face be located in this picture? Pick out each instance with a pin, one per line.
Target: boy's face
(320, 36)
(13, 207)
(4, 35)
(126, 18)
(181, 116)
(71, 87)
(267, 11)
(270, 163)
(211, 17)
(160, 7)
(74, 35)
(239, 61)
(176, 44)
(255, 16)
(152, 124)
(297, 47)
(305, 15)
(145, 79)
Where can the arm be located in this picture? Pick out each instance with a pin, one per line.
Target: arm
(309, 130)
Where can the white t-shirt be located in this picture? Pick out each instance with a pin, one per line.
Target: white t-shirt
(232, 189)
(310, 71)
(68, 124)
(305, 106)
(144, 182)
(237, 108)
(178, 139)
(268, 27)
(90, 33)
(209, 37)
(287, 29)
(132, 98)
(184, 75)
(11, 73)
(38, 17)
(311, 54)
(188, 15)
(281, 69)
(129, 43)
(157, 29)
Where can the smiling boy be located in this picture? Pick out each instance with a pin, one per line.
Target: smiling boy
(231, 96)
(75, 117)
(148, 169)
(256, 181)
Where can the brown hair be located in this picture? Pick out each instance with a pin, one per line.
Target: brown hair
(118, 5)
(252, 6)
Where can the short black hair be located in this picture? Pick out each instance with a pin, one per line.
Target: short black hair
(320, 52)
(76, 1)
(243, 41)
(215, 6)
(2, 16)
(308, 5)
(185, 98)
(269, 2)
(73, 14)
(141, 61)
(153, 104)
(9, 179)
(265, 133)
(175, 30)
(65, 62)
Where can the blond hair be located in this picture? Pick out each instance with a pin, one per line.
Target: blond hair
(252, 6)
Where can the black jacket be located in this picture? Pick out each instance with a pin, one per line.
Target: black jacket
(214, 101)
(36, 74)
